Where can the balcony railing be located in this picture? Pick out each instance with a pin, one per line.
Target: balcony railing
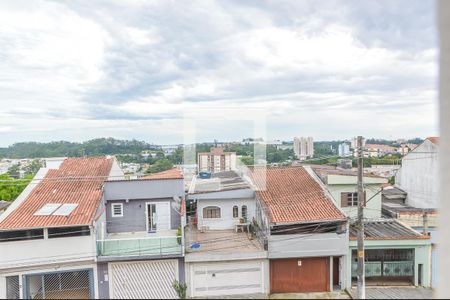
(140, 246)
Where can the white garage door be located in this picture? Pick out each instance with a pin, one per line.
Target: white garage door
(143, 279)
(226, 278)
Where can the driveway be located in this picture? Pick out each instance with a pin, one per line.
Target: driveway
(395, 293)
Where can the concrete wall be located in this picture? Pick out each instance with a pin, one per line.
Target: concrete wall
(422, 255)
(226, 220)
(138, 193)
(419, 176)
(373, 208)
(134, 216)
(37, 252)
(308, 245)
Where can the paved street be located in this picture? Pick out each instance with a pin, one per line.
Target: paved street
(396, 293)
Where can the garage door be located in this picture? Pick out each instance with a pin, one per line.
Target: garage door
(226, 278)
(300, 275)
(143, 279)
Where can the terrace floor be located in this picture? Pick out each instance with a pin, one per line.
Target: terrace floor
(220, 241)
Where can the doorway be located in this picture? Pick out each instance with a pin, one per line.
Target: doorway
(151, 217)
(336, 271)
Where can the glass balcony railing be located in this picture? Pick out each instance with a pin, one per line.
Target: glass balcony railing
(140, 246)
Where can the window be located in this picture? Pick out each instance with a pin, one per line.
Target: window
(244, 212)
(21, 235)
(65, 210)
(211, 212)
(56, 209)
(47, 209)
(352, 199)
(235, 211)
(61, 232)
(117, 210)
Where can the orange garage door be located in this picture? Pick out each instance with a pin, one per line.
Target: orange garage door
(300, 275)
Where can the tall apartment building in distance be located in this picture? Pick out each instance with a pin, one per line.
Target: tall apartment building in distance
(216, 161)
(303, 147)
(344, 150)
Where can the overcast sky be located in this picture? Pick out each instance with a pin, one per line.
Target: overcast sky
(76, 70)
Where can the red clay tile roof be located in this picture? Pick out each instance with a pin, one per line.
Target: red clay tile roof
(433, 139)
(78, 181)
(293, 196)
(174, 173)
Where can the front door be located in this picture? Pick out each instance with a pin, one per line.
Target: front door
(152, 217)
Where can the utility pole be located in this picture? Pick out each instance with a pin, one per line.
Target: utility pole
(361, 289)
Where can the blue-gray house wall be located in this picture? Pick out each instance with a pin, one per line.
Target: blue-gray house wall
(134, 194)
(134, 217)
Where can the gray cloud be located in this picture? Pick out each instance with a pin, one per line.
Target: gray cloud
(142, 61)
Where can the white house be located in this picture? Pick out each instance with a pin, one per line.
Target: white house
(222, 257)
(419, 175)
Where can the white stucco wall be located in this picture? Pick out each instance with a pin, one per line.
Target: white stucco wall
(226, 220)
(419, 176)
(44, 251)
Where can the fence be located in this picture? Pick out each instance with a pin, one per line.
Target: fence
(387, 269)
(60, 285)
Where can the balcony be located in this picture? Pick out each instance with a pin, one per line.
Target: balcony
(142, 246)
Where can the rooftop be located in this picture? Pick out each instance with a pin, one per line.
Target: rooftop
(174, 173)
(324, 171)
(78, 181)
(393, 208)
(216, 151)
(387, 229)
(433, 139)
(219, 182)
(4, 204)
(221, 241)
(291, 195)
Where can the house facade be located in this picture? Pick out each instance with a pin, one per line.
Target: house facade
(47, 237)
(388, 242)
(395, 255)
(342, 187)
(223, 257)
(140, 242)
(418, 175)
(304, 232)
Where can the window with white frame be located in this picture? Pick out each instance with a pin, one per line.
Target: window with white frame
(352, 199)
(117, 210)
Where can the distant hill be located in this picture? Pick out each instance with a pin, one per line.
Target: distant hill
(101, 146)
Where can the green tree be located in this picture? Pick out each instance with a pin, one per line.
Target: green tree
(159, 166)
